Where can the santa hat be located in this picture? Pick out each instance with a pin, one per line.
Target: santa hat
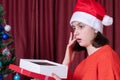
(91, 13)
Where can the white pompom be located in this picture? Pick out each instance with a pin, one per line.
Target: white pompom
(7, 28)
(107, 20)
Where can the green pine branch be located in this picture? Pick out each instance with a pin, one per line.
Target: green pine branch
(3, 45)
(1, 14)
(5, 59)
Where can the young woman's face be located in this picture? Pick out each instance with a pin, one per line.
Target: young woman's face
(83, 33)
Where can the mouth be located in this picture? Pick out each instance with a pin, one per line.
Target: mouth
(78, 40)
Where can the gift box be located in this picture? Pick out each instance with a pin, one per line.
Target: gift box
(43, 68)
(29, 73)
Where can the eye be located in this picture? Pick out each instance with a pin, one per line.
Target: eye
(73, 27)
(81, 26)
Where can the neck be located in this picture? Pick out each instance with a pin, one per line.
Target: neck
(91, 49)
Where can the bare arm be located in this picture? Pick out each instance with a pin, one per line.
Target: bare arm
(69, 54)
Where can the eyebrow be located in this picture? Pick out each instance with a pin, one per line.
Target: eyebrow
(72, 26)
(77, 24)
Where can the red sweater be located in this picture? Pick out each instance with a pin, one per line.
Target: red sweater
(104, 64)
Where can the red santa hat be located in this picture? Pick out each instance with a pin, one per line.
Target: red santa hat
(91, 13)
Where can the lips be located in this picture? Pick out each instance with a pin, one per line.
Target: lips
(78, 40)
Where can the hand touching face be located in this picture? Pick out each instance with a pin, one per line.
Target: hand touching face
(83, 33)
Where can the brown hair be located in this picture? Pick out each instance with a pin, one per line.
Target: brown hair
(98, 41)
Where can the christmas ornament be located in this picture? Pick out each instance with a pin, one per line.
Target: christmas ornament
(7, 28)
(0, 64)
(1, 77)
(1, 28)
(7, 54)
(5, 36)
(17, 76)
(6, 51)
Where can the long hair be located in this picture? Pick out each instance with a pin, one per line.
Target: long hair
(98, 41)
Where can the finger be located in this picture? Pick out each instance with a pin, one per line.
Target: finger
(70, 38)
(55, 76)
(73, 41)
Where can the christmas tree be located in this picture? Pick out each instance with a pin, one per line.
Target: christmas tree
(7, 55)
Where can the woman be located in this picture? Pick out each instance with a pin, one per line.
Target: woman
(102, 62)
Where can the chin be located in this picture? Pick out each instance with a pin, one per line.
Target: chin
(82, 45)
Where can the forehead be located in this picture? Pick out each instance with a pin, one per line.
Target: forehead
(76, 23)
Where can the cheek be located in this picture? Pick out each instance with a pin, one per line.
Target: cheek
(88, 35)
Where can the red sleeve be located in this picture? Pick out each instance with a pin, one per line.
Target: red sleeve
(107, 68)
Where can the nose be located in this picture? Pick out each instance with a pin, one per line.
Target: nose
(76, 33)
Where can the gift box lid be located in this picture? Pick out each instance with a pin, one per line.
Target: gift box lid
(44, 67)
(29, 73)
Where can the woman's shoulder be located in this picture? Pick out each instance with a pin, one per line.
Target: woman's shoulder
(108, 51)
(108, 54)
(105, 50)
(102, 51)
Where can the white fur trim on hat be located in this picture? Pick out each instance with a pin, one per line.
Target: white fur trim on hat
(87, 19)
(107, 20)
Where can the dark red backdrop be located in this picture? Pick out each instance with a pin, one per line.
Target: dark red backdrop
(41, 27)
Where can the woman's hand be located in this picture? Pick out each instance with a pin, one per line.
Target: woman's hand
(69, 55)
(56, 77)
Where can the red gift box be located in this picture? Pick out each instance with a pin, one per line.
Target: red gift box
(29, 73)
